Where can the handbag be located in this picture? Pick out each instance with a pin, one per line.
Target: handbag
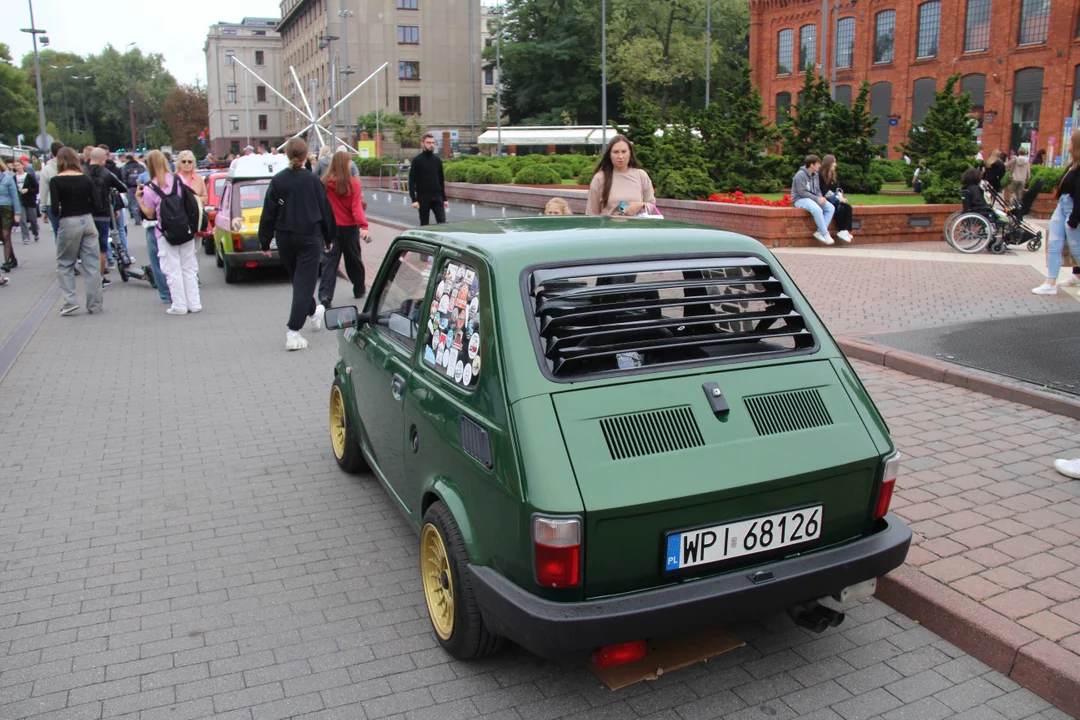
(650, 211)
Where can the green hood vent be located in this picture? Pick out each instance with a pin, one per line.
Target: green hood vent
(787, 411)
(651, 433)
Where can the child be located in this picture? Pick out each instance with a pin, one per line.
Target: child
(557, 206)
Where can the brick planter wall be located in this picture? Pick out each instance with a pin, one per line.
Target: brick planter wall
(774, 227)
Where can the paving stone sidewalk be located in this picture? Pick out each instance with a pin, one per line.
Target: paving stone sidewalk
(36, 272)
(176, 541)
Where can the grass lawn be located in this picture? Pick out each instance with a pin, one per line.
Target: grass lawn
(856, 200)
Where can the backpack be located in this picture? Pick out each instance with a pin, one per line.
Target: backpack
(178, 213)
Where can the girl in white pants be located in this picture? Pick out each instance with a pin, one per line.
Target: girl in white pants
(178, 262)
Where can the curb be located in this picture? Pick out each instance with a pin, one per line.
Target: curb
(1048, 670)
(984, 382)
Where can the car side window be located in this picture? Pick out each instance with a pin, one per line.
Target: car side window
(401, 300)
(452, 340)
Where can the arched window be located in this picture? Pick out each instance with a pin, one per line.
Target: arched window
(843, 95)
(1027, 103)
(922, 97)
(785, 40)
(929, 25)
(783, 105)
(881, 108)
(845, 42)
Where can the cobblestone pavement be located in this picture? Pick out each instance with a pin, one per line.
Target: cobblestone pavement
(36, 272)
(177, 542)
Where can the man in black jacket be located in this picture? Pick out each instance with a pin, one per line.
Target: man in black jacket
(130, 172)
(104, 182)
(426, 186)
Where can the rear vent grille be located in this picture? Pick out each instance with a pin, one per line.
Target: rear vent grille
(475, 441)
(787, 411)
(619, 316)
(651, 433)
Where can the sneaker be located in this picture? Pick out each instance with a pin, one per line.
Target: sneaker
(844, 235)
(1068, 468)
(110, 265)
(68, 309)
(77, 271)
(174, 311)
(106, 282)
(316, 319)
(294, 341)
(1045, 289)
(195, 310)
(1072, 281)
(3, 281)
(823, 239)
(26, 241)
(6, 267)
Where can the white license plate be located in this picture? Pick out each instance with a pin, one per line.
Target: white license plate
(273, 244)
(702, 546)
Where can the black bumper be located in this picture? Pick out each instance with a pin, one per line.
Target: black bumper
(242, 259)
(554, 629)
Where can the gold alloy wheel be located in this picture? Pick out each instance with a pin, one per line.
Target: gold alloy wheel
(337, 422)
(438, 583)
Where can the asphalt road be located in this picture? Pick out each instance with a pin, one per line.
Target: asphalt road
(396, 208)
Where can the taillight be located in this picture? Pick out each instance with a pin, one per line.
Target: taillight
(620, 654)
(238, 242)
(557, 551)
(884, 498)
(210, 208)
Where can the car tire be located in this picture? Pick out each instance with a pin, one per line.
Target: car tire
(232, 274)
(208, 246)
(444, 576)
(218, 259)
(343, 440)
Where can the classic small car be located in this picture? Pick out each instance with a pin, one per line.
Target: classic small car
(611, 430)
(236, 224)
(215, 186)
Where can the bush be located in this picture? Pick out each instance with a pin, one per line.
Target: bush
(585, 176)
(565, 169)
(854, 181)
(1050, 176)
(459, 171)
(369, 167)
(538, 174)
(488, 174)
(889, 170)
(688, 184)
(936, 189)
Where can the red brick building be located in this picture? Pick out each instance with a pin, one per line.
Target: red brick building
(1020, 59)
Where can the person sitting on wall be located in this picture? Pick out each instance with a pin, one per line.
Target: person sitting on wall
(806, 194)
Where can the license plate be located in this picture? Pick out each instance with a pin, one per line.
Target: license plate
(717, 543)
(273, 244)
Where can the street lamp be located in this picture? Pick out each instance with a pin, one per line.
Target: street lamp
(34, 32)
(131, 100)
(603, 72)
(82, 88)
(326, 43)
(836, 39)
(346, 71)
(708, 47)
(498, 79)
(63, 90)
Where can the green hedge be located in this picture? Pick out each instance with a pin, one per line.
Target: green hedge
(488, 174)
(689, 184)
(458, 171)
(369, 167)
(1050, 176)
(585, 176)
(890, 170)
(538, 174)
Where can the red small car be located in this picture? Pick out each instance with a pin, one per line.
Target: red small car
(215, 184)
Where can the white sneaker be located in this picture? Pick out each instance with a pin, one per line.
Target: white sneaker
(844, 235)
(824, 239)
(174, 311)
(1068, 468)
(294, 341)
(1045, 289)
(316, 320)
(1072, 281)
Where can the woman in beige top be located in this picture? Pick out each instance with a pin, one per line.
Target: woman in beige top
(618, 180)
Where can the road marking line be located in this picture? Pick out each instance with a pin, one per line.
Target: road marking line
(14, 344)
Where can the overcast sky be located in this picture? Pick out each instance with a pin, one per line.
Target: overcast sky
(177, 30)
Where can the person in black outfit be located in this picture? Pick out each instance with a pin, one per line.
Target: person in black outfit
(830, 185)
(130, 172)
(995, 171)
(426, 186)
(297, 212)
(72, 195)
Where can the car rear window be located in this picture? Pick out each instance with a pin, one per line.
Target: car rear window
(219, 185)
(621, 317)
(247, 195)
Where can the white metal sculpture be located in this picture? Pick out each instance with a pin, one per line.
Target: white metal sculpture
(314, 122)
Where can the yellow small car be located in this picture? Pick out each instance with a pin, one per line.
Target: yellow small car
(236, 226)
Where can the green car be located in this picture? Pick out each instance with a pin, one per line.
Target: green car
(611, 430)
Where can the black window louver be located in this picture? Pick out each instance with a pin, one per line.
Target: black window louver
(651, 433)
(476, 441)
(610, 317)
(787, 411)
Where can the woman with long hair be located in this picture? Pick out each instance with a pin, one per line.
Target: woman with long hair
(995, 170)
(1064, 223)
(179, 262)
(10, 206)
(27, 185)
(346, 200)
(830, 185)
(71, 193)
(620, 186)
(298, 213)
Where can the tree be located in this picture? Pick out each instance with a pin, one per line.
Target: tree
(123, 80)
(945, 142)
(61, 95)
(411, 133)
(388, 122)
(186, 115)
(18, 106)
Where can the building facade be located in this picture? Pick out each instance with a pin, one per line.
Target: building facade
(489, 76)
(242, 109)
(335, 44)
(1019, 59)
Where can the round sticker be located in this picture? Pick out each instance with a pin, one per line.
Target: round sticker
(439, 355)
(446, 358)
(459, 370)
(444, 303)
(466, 375)
(474, 345)
(474, 305)
(434, 309)
(434, 342)
(442, 288)
(476, 366)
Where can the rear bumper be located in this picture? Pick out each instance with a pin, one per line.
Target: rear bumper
(242, 259)
(554, 629)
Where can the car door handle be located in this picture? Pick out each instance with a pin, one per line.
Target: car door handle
(397, 386)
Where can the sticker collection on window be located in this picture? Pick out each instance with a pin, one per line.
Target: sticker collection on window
(454, 325)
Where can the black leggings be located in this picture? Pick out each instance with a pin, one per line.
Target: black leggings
(842, 218)
(347, 243)
(300, 255)
(435, 206)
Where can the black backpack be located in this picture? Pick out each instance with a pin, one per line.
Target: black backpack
(178, 213)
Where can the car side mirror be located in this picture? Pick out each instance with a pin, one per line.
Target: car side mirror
(346, 316)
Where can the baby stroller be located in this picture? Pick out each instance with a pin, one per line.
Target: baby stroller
(996, 225)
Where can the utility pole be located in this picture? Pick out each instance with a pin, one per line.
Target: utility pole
(346, 70)
(63, 90)
(34, 32)
(708, 49)
(825, 41)
(603, 71)
(498, 82)
(247, 110)
(82, 91)
(472, 75)
(131, 100)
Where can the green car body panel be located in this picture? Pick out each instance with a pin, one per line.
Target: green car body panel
(548, 454)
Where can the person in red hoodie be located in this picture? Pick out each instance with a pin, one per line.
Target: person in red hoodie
(346, 199)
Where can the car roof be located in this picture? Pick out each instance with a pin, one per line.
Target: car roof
(526, 241)
(257, 166)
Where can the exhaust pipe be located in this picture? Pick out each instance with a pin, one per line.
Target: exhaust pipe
(814, 616)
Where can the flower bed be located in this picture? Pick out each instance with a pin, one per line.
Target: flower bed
(740, 198)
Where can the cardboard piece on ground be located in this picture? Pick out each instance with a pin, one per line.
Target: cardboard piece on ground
(668, 656)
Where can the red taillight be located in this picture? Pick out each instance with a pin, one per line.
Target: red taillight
(557, 551)
(620, 654)
(251, 264)
(888, 483)
(238, 242)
